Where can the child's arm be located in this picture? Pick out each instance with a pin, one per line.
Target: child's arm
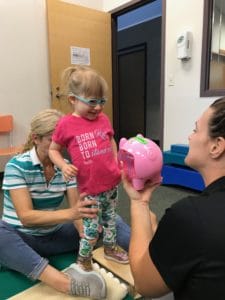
(56, 157)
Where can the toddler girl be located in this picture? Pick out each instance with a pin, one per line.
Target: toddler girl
(88, 137)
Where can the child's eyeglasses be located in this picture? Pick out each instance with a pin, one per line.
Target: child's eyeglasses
(92, 102)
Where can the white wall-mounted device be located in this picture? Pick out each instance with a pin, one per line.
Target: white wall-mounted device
(184, 46)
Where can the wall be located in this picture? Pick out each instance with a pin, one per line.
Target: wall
(104, 5)
(182, 101)
(115, 5)
(24, 79)
(96, 4)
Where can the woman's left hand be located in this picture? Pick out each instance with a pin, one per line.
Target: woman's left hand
(84, 207)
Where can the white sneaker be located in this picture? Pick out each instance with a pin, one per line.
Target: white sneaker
(86, 284)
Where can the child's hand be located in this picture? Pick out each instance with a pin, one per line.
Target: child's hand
(69, 171)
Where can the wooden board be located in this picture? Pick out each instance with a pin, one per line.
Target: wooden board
(122, 271)
(115, 291)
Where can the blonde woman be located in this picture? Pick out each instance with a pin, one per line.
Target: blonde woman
(33, 226)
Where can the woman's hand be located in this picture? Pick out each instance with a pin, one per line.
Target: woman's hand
(142, 195)
(83, 209)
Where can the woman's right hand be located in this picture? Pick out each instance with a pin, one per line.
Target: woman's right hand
(69, 171)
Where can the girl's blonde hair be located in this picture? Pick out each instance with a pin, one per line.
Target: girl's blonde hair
(42, 124)
(83, 81)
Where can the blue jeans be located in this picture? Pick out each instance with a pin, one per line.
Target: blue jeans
(26, 253)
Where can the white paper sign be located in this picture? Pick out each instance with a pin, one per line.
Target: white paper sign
(80, 56)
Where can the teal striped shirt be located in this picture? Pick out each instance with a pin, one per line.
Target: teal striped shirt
(26, 171)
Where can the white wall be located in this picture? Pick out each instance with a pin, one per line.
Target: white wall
(96, 4)
(24, 78)
(115, 5)
(183, 104)
(104, 5)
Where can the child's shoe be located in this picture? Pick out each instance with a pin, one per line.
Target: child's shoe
(85, 263)
(116, 253)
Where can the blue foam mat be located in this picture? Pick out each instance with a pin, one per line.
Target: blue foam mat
(170, 157)
(179, 148)
(185, 177)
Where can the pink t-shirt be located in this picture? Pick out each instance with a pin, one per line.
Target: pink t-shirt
(88, 143)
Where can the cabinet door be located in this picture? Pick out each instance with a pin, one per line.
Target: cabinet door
(69, 26)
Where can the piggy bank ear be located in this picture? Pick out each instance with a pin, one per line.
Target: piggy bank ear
(122, 142)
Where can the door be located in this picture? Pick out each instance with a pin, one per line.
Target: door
(77, 26)
(131, 86)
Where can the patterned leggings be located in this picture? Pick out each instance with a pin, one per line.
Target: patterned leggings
(106, 219)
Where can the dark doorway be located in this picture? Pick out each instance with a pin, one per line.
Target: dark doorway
(138, 80)
(132, 65)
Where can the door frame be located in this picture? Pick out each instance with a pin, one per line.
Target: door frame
(115, 63)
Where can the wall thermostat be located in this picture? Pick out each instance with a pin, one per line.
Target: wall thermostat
(184, 46)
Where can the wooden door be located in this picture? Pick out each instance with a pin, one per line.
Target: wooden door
(77, 26)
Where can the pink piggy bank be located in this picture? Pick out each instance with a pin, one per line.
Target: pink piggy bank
(142, 160)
